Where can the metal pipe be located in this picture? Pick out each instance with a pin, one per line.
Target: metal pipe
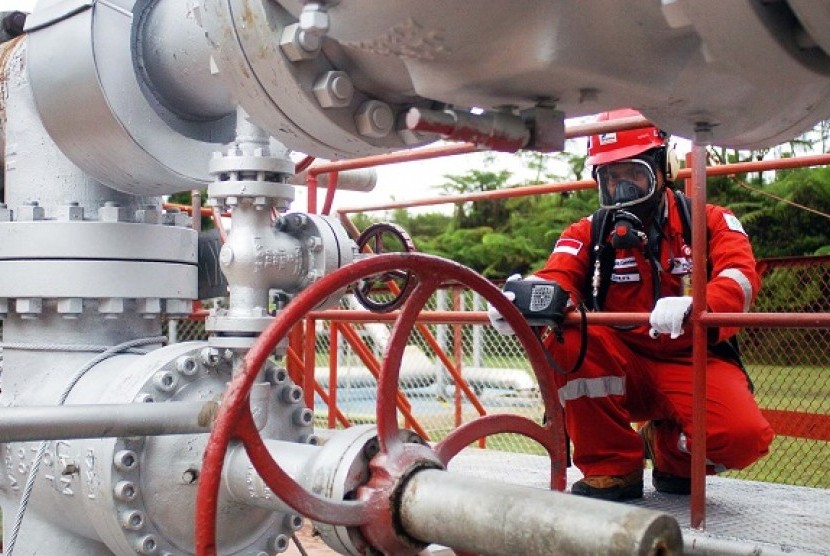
(483, 517)
(559, 187)
(699, 332)
(759, 320)
(27, 423)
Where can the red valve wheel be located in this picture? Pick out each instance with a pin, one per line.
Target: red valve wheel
(381, 238)
(371, 513)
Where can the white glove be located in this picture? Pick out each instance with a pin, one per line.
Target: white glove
(668, 316)
(498, 322)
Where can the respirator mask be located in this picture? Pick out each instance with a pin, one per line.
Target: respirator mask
(628, 188)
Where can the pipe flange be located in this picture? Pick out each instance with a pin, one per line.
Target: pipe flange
(151, 481)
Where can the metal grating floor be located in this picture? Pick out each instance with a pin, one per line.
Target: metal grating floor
(742, 517)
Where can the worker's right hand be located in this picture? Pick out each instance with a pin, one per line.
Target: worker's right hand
(496, 319)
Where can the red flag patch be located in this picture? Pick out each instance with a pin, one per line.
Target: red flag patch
(568, 245)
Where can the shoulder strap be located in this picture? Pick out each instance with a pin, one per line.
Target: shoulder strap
(601, 252)
(685, 209)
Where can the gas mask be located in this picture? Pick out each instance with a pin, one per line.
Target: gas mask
(628, 188)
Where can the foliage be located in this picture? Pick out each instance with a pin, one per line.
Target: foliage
(499, 237)
(798, 226)
(783, 212)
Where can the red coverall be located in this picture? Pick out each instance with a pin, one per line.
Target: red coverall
(629, 377)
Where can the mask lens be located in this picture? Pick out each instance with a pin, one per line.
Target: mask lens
(625, 183)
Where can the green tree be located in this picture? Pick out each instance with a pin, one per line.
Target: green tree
(477, 213)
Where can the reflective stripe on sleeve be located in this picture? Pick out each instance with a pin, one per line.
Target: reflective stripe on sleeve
(742, 281)
(601, 387)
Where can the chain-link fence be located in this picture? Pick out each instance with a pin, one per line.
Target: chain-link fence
(790, 369)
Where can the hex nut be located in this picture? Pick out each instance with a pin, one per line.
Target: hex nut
(125, 491)
(334, 89)
(71, 212)
(374, 119)
(148, 544)
(111, 305)
(297, 45)
(165, 381)
(294, 522)
(29, 305)
(292, 394)
(148, 306)
(303, 417)
(209, 357)
(125, 460)
(187, 365)
(132, 520)
(112, 212)
(314, 20)
(278, 543)
(149, 215)
(30, 212)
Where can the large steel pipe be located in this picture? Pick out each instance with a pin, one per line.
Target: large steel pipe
(65, 422)
(485, 517)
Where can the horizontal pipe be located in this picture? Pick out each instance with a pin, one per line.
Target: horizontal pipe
(484, 517)
(241, 483)
(571, 132)
(29, 423)
(560, 187)
(760, 320)
(525, 191)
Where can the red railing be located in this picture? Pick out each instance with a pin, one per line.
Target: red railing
(812, 425)
(301, 353)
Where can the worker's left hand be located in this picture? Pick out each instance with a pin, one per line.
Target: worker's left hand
(668, 316)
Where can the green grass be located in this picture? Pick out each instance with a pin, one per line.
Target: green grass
(792, 461)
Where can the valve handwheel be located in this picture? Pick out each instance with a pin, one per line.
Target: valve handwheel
(381, 238)
(371, 512)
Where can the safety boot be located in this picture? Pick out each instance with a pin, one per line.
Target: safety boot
(611, 487)
(662, 482)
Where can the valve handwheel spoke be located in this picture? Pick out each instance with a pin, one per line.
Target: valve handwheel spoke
(235, 423)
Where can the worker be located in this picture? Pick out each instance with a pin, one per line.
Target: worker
(643, 374)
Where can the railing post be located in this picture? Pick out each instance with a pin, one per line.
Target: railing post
(441, 338)
(458, 353)
(699, 343)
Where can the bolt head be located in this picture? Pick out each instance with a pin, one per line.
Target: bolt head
(334, 89)
(374, 119)
(297, 45)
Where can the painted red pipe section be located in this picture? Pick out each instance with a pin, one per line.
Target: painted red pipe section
(566, 186)
(309, 355)
(530, 190)
(699, 337)
(333, 351)
(303, 164)
(425, 153)
(331, 189)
